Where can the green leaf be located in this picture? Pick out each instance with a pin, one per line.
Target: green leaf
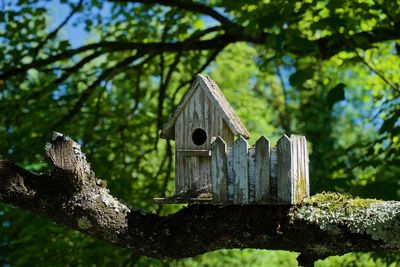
(199, 24)
(336, 94)
(298, 78)
(389, 123)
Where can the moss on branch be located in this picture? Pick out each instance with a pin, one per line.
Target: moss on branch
(333, 211)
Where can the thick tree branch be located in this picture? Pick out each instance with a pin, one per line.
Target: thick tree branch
(326, 224)
(325, 47)
(117, 46)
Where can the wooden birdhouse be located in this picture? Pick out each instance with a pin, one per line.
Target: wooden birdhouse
(211, 167)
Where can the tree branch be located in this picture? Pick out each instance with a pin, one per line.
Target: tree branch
(188, 6)
(378, 73)
(56, 30)
(213, 55)
(325, 47)
(107, 74)
(326, 224)
(115, 46)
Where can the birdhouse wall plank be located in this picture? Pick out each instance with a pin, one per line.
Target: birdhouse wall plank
(187, 174)
(205, 173)
(207, 116)
(262, 172)
(227, 134)
(219, 171)
(196, 172)
(240, 171)
(180, 161)
(178, 174)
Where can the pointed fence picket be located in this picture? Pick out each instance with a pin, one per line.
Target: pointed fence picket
(219, 170)
(252, 174)
(285, 176)
(240, 171)
(261, 174)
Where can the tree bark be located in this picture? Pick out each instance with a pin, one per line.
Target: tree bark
(324, 225)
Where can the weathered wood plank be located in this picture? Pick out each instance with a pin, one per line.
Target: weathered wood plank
(196, 172)
(240, 171)
(229, 171)
(252, 175)
(300, 168)
(227, 134)
(198, 104)
(179, 163)
(219, 171)
(205, 167)
(195, 153)
(179, 179)
(284, 179)
(295, 169)
(274, 175)
(262, 172)
(306, 170)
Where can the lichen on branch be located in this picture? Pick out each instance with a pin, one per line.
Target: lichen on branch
(331, 211)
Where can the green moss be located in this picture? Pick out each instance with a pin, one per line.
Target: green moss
(84, 223)
(301, 188)
(336, 201)
(331, 211)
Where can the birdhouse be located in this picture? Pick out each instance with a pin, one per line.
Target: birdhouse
(212, 167)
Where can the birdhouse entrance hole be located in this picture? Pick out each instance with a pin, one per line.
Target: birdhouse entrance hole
(199, 136)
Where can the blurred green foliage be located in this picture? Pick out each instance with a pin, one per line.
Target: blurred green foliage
(114, 102)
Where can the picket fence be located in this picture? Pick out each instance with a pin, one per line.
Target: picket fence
(260, 174)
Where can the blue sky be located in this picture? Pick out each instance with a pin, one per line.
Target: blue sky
(76, 34)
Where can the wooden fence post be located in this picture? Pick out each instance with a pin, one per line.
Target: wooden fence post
(219, 171)
(262, 173)
(240, 171)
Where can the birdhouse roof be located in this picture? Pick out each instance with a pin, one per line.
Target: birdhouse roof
(217, 98)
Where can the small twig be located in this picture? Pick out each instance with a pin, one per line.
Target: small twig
(210, 59)
(380, 75)
(163, 92)
(107, 74)
(56, 30)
